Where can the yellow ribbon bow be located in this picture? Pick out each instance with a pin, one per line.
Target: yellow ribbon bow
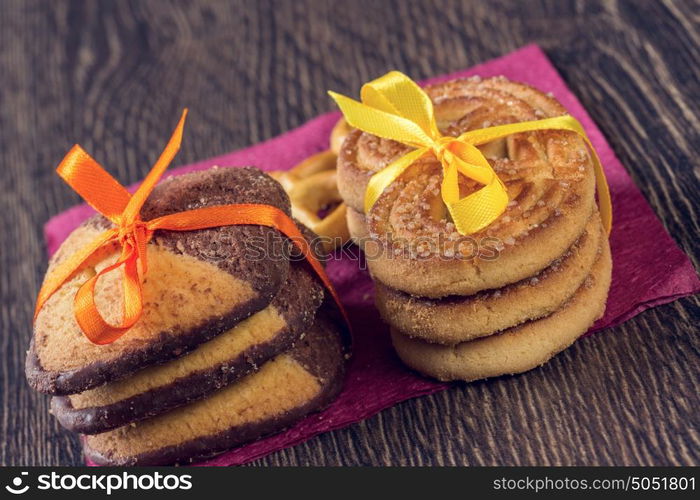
(395, 107)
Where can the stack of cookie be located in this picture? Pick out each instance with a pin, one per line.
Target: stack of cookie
(233, 342)
(508, 298)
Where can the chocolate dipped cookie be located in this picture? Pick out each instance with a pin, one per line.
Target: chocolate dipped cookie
(211, 366)
(282, 392)
(200, 284)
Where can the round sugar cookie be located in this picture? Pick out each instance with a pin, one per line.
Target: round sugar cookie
(548, 174)
(455, 319)
(517, 349)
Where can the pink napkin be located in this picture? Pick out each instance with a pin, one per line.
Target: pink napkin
(376, 379)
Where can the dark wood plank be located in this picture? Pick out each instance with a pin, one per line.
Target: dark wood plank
(114, 76)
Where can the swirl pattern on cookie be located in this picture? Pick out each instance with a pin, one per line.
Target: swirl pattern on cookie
(416, 248)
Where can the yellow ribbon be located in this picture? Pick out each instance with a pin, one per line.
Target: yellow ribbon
(395, 107)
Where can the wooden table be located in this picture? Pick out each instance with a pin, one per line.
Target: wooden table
(114, 75)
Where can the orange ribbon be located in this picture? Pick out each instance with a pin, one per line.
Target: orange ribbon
(111, 199)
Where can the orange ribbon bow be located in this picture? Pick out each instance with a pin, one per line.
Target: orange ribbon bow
(111, 199)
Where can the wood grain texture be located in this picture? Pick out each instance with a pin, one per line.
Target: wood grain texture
(115, 75)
